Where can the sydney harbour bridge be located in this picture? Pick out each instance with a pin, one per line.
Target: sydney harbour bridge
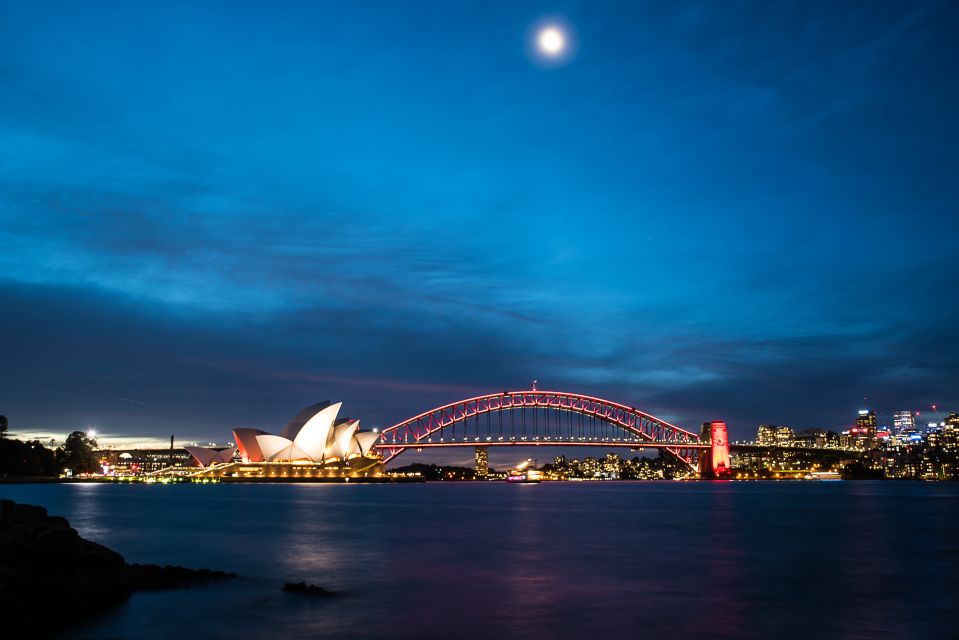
(556, 419)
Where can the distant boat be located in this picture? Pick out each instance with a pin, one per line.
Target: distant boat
(823, 475)
(525, 474)
(527, 477)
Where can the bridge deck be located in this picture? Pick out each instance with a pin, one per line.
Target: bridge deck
(539, 442)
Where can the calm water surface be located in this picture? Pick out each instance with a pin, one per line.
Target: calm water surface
(562, 560)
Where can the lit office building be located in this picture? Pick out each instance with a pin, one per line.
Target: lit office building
(785, 436)
(772, 435)
(766, 434)
(904, 422)
(950, 433)
(482, 462)
(863, 435)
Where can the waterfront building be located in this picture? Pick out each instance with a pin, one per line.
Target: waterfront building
(766, 434)
(313, 435)
(747, 459)
(482, 462)
(611, 466)
(589, 467)
(314, 444)
(785, 436)
(135, 462)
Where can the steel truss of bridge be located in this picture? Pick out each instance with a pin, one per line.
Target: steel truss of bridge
(539, 418)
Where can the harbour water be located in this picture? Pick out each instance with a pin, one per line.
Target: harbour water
(553, 560)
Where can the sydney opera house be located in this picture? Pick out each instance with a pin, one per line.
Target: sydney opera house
(314, 444)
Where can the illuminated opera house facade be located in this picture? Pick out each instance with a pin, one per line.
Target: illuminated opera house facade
(314, 444)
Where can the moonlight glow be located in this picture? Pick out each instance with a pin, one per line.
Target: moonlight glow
(551, 41)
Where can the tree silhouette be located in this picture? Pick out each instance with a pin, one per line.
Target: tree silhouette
(3, 426)
(77, 454)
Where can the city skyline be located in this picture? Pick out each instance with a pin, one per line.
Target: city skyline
(867, 430)
(256, 210)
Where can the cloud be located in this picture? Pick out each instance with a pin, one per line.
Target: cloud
(80, 352)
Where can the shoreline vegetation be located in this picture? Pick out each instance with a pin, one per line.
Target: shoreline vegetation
(31, 458)
(51, 577)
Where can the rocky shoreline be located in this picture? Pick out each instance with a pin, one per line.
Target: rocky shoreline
(51, 577)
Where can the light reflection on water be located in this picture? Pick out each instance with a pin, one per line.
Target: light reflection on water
(653, 560)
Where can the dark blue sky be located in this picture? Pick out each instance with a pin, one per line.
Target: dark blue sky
(226, 212)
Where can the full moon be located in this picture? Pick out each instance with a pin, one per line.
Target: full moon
(551, 41)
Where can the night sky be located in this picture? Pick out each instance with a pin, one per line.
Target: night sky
(212, 216)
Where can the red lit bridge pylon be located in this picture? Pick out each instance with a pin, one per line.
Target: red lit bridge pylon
(541, 418)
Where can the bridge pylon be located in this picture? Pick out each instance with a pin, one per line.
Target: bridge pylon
(714, 462)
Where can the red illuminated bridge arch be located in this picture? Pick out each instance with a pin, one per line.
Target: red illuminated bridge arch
(449, 425)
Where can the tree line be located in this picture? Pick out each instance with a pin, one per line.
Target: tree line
(32, 458)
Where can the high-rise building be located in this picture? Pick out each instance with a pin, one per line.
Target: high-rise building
(773, 435)
(863, 435)
(950, 433)
(482, 462)
(766, 434)
(785, 436)
(904, 422)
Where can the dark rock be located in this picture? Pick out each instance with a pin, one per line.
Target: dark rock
(13, 513)
(307, 589)
(151, 577)
(50, 576)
